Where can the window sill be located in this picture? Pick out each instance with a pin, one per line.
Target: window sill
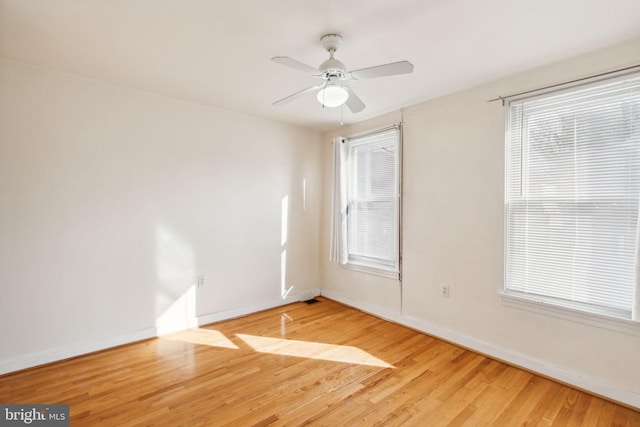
(369, 269)
(626, 326)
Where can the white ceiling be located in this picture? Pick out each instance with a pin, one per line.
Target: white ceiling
(218, 52)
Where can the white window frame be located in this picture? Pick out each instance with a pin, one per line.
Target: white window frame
(384, 268)
(548, 306)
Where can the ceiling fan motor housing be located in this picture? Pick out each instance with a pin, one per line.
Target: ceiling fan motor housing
(333, 68)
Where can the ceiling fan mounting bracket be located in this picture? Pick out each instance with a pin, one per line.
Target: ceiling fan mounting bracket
(331, 42)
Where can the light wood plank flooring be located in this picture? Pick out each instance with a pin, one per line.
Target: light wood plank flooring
(319, 364)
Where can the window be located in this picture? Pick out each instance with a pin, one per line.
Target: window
(366, 207)
(372, 198)
(572, 196)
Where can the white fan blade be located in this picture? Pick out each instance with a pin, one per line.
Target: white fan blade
(297, 65)
(392, 69)
(297, 95)
(354, 103)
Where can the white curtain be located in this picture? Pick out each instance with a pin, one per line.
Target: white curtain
(635, 308)
(338, 245)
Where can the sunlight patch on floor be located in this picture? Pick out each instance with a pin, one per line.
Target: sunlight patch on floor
(203, 337)
(312, 350)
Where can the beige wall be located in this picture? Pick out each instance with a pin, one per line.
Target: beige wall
(113, 201)
(453, 234)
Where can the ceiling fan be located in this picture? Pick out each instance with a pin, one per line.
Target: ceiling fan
(332, 93)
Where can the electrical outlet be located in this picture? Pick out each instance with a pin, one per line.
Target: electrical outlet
(200, 281)
(445, 291)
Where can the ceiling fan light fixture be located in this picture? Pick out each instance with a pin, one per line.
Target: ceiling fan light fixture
(333, 96)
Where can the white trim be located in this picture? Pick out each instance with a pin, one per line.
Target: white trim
(254, 308)
(61, 353)
(610, 391)
(74, 350)
(385, 268)
(391, 273)
(617, 324)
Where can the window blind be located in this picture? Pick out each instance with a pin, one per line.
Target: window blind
(572, 196)
(373, 193)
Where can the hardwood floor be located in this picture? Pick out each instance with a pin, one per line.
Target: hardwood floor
(319, 364)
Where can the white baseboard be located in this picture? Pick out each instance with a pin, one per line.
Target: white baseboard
(598, 387)
(54, 355)
(253, 308)
(61, 353)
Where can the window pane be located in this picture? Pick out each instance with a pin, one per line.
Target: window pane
(374, 170)
(372, 227)
(574, 251)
